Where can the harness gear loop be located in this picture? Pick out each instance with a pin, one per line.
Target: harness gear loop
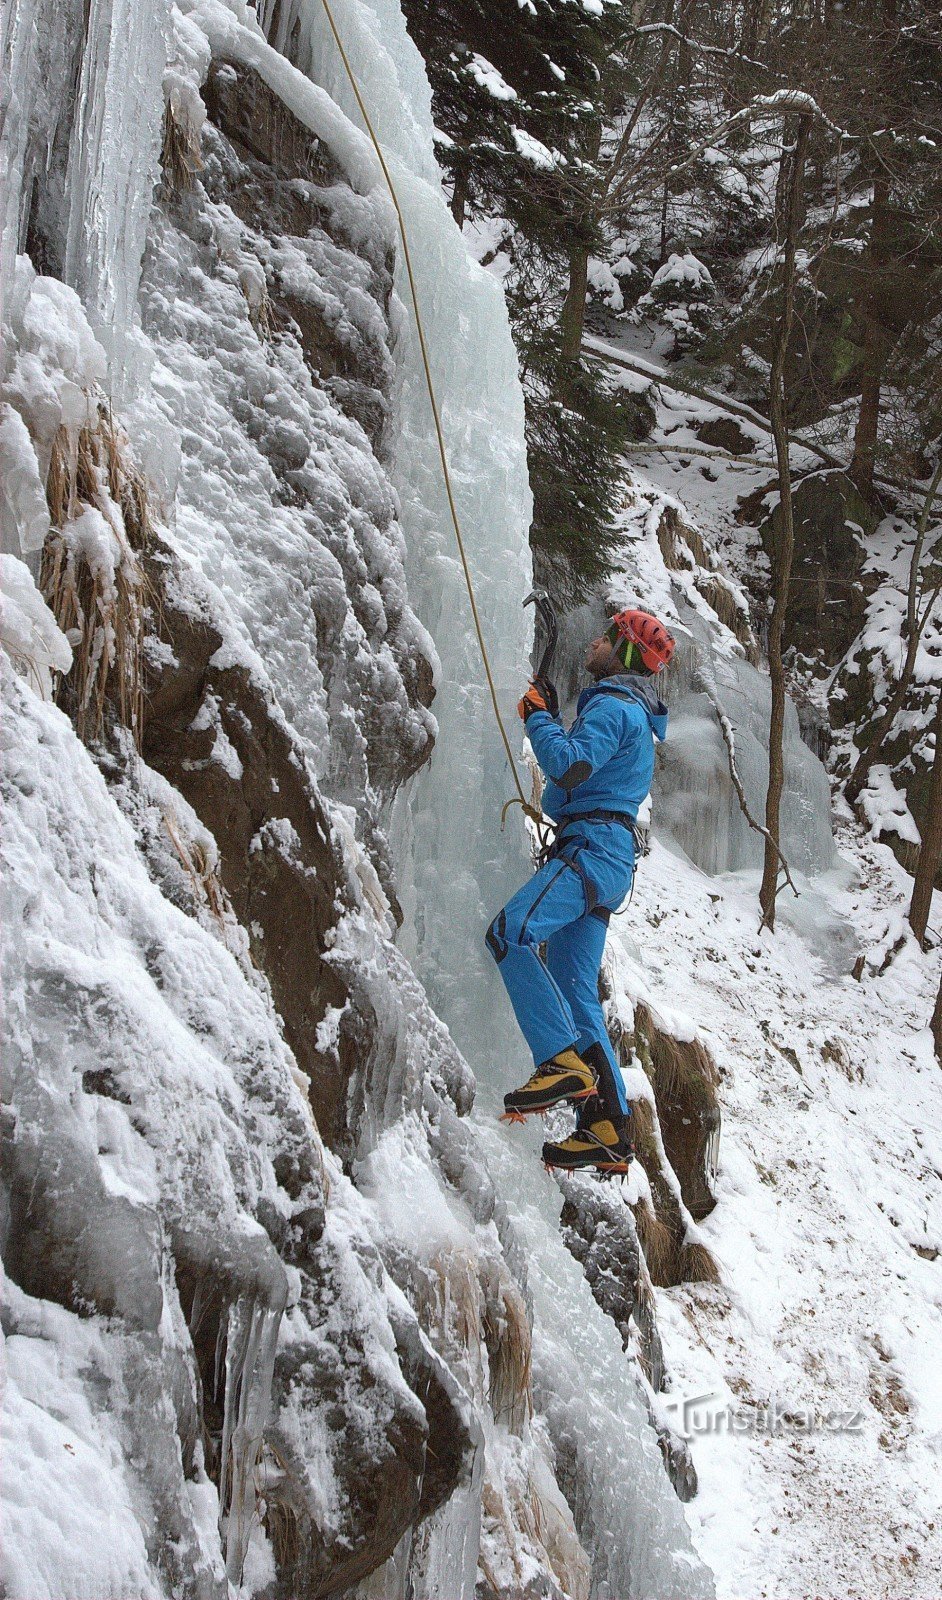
(420, 329)
(544, 828)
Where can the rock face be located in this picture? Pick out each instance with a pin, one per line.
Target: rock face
(208, 1021)
(832, 626)
(726, 434)
(684, 1081)
(599, 1229)
(277, 863)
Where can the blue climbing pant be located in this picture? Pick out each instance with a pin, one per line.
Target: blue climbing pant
(566, 906)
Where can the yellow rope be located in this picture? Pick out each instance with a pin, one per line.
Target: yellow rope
(528, 809)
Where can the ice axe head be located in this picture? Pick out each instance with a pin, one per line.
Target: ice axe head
(544, 610)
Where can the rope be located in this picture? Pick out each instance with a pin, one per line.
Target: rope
(521, 797)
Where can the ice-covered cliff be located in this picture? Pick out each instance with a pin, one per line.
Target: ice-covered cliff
(280, 1317)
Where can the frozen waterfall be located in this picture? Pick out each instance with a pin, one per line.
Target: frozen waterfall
(695, 799)
(462, 867)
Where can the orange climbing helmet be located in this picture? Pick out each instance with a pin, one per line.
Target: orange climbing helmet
(655, 644)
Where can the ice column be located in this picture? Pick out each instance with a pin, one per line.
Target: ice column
(463, 867)
(114, 164)
(252, 1342)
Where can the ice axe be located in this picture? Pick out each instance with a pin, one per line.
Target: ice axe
(544, 610)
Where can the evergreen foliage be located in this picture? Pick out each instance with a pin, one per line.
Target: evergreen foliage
(625, 159)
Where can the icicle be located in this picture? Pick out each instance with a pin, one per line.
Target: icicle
(113, 164)
(251, 1343)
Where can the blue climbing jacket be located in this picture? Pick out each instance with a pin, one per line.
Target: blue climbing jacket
(606, 760)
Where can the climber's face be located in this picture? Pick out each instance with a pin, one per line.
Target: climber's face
(598, 657)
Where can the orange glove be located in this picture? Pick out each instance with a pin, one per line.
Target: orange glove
(532, 701)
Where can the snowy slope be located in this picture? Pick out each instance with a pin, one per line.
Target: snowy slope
(828, 1230)
(807, 1381)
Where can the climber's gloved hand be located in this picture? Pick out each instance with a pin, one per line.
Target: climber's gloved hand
(547, 689)
(541, 696)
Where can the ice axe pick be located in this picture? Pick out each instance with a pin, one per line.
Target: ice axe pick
(544, 610)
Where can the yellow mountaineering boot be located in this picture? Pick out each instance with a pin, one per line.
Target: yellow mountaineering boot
(565, 1077)
(597, 1146)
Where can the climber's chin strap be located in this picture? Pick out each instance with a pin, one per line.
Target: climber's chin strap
(611, 662)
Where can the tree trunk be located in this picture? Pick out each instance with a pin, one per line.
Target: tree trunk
(755, 19)
(914, 631)
(785, 545)
(875, 337)
(572, 320)
(459, 195)
(685, 54)
(936, 1025)
(930, 850)
(874, 359)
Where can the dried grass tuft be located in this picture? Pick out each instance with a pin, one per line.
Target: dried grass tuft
(683, 550)
(101, 606)
(657, 1242)
(283, 1528)
(641, 1129)
(204, 876)
(180, 155)
(645, 1304)
(698, 1264)
(673, 535)
(674, 1063)
(60, 479)
(509, 1347)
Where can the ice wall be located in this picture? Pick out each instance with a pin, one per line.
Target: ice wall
(462, 866)
(213, 410)
(451, 847)
(696, 802)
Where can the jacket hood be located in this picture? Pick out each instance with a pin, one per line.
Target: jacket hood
(641, 689)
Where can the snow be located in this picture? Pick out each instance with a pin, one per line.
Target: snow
(604, 283)
(885, 807)
(829, 1208)
(684, 271)
(487, 76)
(28, 631)
(534, 150)
(825, 1195)
(67, 1511)
(25, 513)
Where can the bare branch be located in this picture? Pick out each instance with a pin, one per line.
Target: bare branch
(729, 739)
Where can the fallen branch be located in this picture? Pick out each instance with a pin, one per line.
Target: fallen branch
(681, 384)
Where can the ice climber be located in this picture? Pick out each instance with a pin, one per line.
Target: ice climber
(598, 774)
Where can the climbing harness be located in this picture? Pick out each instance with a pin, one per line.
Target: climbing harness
(528, 810)
(569, 850)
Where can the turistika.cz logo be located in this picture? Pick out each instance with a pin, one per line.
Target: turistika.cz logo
(710, 1413)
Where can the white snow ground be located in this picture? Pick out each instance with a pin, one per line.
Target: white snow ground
(828, 1233)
